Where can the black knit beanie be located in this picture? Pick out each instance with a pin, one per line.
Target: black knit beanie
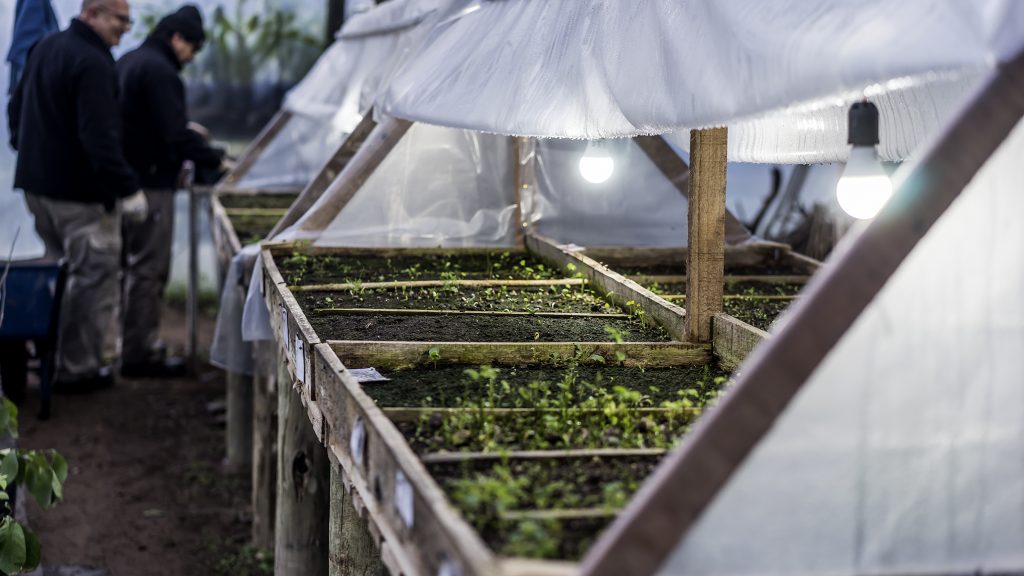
(187, 21)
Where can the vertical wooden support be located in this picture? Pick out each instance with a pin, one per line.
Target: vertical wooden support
(352, 551)
(705, 260)
(378, 145)
(303, 480)
(524, 164)
(264, 446)
(240, 421)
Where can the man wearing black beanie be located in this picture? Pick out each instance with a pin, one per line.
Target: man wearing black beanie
(156, 140)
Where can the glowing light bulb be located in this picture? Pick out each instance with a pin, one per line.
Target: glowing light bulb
(596, 164)
(864, 187)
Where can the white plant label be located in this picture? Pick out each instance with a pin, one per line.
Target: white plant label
(284, 324)
(357, 442)
(363, 375)
(300, 362)
(403, 498)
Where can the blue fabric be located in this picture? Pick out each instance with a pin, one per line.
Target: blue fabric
(33, 21)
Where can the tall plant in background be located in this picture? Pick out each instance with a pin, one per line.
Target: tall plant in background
(251, 59)
(40, 473)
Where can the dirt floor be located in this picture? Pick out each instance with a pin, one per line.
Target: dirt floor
(147, 493)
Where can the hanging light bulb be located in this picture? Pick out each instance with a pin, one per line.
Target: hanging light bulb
(596, 164)
(864, 187)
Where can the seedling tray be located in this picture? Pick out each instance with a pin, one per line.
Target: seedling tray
(238, 219)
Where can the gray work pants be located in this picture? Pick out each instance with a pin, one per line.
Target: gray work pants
(147, 263)
(89, 238)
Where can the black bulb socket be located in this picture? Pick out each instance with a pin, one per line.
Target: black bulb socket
(863, 124)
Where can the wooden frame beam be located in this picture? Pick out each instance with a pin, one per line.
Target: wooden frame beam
(379, 143)
(327, 174)
(705, 259)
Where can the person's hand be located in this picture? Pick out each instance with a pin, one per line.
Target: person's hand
(135, 208)
(227, 164)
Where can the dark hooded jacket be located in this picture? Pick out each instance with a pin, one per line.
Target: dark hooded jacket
(156, 137)
(64, 122)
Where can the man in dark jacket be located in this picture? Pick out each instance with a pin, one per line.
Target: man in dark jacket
(157, 140)
(64, 122)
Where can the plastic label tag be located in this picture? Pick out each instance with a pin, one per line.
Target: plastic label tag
(300, 362)
(357, 442)
(363, 375)
(284, 324)
(403, 498)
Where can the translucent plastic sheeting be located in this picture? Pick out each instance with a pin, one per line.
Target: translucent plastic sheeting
(330, 101)
(229, 351)
(908, 115)
(437, 187)
(637, 206)
(904, 452)
(606, 69)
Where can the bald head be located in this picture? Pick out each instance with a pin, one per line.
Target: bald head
(111, 19)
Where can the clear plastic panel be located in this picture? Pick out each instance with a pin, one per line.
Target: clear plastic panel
(904, 452)
(437, 187)
(613, 69)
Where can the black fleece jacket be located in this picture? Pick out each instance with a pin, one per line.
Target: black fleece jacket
(64, 121)
(156, 136)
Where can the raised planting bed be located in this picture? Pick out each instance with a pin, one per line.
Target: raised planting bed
(244, 218)
(542, 507)
(438, 453)
(613, 383)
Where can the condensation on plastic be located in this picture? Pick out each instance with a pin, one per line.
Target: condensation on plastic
(437, 187)
(909, 113)
(330, 101)
(903, 452)
(613, 69)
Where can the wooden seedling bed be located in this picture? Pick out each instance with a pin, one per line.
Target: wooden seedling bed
(238, 219)
(761, 280)
(381, 468)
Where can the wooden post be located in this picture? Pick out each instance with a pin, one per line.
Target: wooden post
(303, 479)
(523, 160)
(264, 446)
(240, 421)
(327, 174)
(378, 145)
(352, 550)
(705, 260)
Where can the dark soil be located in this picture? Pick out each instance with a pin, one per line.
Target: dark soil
(544, 430)
(146, 492)
(250, 229)
(481, 490)
(758, 313)
(325, 269)
(489, 299)
(453, 328)
(263, 200)
(451, 386)
(776, 268)
(744, 287)
(551, 484)
(562, 539)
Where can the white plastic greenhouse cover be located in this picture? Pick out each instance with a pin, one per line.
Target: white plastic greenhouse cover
(572, 69)
(437, 187)
(329, 102)
(904, 451)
